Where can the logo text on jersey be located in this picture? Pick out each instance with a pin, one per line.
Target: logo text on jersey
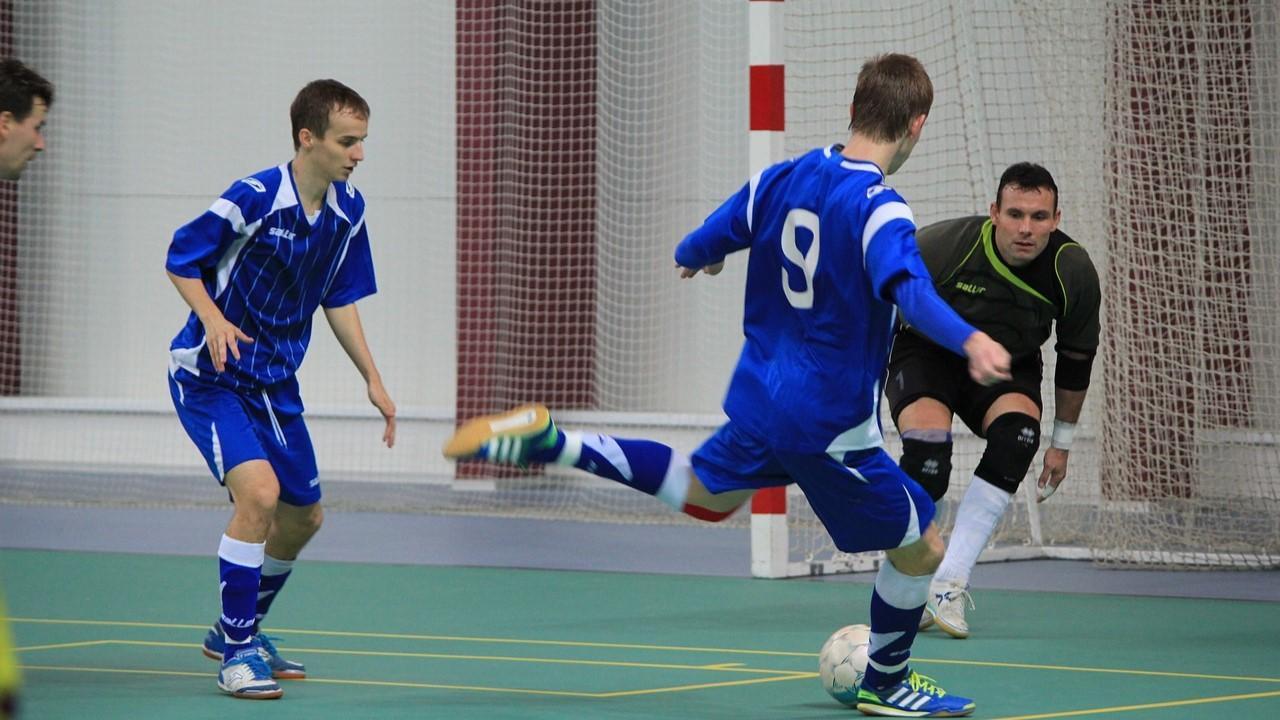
(281, 232)
(254, 183)
(971, 289)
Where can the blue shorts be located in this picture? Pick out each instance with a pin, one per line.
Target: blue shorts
(865, 502)
(230, 428)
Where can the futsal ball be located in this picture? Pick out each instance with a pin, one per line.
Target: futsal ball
(843, 661)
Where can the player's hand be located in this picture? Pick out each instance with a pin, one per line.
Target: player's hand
(381, 400)
(712, 269)
(1055, 471)
(223, 338)
(988, 360)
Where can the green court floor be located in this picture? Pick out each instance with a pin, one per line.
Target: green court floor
(117, 636)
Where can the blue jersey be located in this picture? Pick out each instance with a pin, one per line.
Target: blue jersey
(828, 242)
(267, 268)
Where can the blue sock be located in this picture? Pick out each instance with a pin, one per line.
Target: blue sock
(239, 568)
(648, 466)
(896, 604)
(274, 574)
(641, 464)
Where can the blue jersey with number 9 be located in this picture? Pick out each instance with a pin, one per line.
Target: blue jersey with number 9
(828, 241)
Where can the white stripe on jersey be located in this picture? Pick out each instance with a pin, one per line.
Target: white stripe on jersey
(860, 165)
(880, 217)
(331, 198)
(285, 195)
(751, 198)
(342, 256)
(231, 212)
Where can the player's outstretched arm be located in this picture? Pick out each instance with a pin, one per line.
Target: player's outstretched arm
(345, 321)
(220, 335)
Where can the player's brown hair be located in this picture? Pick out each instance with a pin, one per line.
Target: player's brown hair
(311, 108)
(892, 90)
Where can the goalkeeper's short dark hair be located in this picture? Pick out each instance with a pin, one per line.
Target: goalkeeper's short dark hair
(1028, 176)
(19, 88)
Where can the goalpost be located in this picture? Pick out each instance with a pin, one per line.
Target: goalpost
(530, 168)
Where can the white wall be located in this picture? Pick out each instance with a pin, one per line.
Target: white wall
(163, 106)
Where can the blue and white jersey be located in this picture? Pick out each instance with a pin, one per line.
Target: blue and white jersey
(828, 241)
(268, 268)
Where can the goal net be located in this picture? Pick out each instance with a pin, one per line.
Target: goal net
(529, 169)
(1161, 126)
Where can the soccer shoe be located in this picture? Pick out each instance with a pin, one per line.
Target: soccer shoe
(508, 438)
(915, 696)
(247, 676)
(281, 669)
(947, 599)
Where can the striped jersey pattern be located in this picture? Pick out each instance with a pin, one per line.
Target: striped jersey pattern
(268, 267)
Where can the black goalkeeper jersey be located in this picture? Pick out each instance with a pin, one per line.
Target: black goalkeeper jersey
(1015, 306)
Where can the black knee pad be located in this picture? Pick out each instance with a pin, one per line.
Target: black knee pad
(1012, 442)
(926, 458)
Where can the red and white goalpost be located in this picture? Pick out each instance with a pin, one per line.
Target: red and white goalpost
(770, 544)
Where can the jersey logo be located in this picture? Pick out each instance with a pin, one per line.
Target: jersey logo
(254, 183)
(971, 289)
(875, 190)
(282, 233)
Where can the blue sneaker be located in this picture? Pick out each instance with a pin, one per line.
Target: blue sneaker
(247, 676)
(507, 439)
(915, 696)
(281, 669)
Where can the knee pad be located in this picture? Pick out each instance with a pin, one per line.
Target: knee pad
(1012, 442)
(926, 458)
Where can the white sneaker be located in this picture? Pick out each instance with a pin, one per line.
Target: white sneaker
(246, 675)
(947, 599)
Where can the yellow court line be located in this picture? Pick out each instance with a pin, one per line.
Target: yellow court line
(444, 638)
(726, 667)
(1068, 668)
(441, 686)
(119, 671)
(631, 646)
(59, 646)
(705, 686)
(1146, 706)
(311, 680)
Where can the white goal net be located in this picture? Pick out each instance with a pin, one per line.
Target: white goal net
(1161, 125)
(530, 168)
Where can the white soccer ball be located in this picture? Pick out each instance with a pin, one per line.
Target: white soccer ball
(843, 661)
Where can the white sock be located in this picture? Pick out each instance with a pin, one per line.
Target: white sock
(980, 511)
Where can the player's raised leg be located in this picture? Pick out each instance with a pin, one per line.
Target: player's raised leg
(527, 435)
